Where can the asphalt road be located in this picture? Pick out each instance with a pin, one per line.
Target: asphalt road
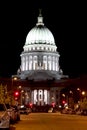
(51, 121)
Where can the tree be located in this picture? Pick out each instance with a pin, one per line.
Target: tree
(4, 94)
(83, 104)
(1, 94)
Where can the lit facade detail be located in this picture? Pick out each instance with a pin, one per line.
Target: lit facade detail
(40, 97)
(35, 62)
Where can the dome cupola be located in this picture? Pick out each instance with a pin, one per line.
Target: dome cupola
(40, 34)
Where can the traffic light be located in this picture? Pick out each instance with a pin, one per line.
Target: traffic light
(53, 104)
(31, 105)
(16, 95)
(63, 102)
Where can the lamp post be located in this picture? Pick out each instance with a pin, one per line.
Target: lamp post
(21, 94)
(12, 87)
(83, 95)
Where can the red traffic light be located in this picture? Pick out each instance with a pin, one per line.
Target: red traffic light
(31, 105)
(16, 95)
(16, 98)
(53, 104)
(63, 101)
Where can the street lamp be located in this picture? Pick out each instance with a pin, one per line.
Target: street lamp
(13, 79)
(21, 94)
(83, 93)
(63, 95)
(78, 89)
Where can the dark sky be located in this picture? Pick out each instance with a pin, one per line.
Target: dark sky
(66, 20)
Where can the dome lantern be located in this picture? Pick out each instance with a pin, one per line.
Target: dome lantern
(40, 19)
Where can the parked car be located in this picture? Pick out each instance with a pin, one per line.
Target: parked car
(24, 110)
(50, 110)
(68, 111)
(14, 113)
(84, 112)
(17, 112)
(79, 112)
(4, 117)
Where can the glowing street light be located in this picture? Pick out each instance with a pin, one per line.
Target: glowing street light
(78, 89)
(63, 95)
(83, 92)
(70, 92)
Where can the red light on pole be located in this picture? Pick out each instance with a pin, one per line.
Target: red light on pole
(31, 105)
(16, 95)
(53, 104)
(16, 98)
(63, 101)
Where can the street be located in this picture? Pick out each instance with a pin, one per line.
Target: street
(51, 121)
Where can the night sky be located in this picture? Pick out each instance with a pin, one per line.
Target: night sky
(66, 20)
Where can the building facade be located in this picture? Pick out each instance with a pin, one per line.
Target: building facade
(40, 64)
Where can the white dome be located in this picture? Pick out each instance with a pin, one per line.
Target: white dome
(40, 34)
